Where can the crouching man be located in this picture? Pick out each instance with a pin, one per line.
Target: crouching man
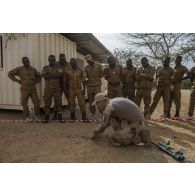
(125, 118)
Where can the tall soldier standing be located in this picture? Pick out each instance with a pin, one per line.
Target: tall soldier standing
(29, 77)
(144, 77)
(94, 74)
(179, 72)
(64, 65)
(76, 88)
(113, 75)
(52, 75)
(164, 77)
(128, 80)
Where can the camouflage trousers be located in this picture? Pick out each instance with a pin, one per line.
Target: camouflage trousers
(129, 133)
(65, 94)
(129, 92)
(192, 102)
(73, 94)
(164, 92)
(91, 92)
(175, 95)
(47, 98)
(32, 93)
(145, 94)
(114, 91)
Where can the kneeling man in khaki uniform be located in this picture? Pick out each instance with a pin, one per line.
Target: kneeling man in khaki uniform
(125, 118)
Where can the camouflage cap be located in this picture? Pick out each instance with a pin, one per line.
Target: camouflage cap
(88, 57)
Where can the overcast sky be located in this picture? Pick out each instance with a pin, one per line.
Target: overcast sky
(110, 40)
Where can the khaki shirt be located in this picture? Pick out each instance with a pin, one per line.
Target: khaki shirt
(113, 75)
(144, 77)
(75, 78)
(179, 72)
(29, 76)
(128, 76)
(52, 83)
(164, 76)
(94, 73)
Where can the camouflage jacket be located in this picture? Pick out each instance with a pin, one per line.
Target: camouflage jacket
(28, 76)
(94, 73)
(113, 75)
(164, 76)
(128, 76)
(145, 76)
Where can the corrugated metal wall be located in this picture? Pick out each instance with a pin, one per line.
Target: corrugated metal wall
(35, 46)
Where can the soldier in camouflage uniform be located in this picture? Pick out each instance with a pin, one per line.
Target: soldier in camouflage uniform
(128, 80)
(125, 118)
(113, 75)
(64, 65)
(144, 77)
(94, 74)
(29, 77)
(192, 95)
(164, 77)
(76, 82)
(52, 75)
(179, 72)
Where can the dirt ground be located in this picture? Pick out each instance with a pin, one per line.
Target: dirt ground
(68, 142)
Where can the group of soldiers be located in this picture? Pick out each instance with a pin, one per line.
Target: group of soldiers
(128, 82)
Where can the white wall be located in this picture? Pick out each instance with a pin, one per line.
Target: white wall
(35, 46)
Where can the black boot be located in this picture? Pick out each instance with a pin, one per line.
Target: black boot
(168, 114)
(72, 116)
(177, 114)
(46, 118)
(59, 116)
(55, 116)
(84, 118)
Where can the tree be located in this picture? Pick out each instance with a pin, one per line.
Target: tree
(122, 55)
(157, 46)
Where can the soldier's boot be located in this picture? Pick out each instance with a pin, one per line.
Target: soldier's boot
(46, 118)
(168, 114)
(72, 116)
(176, 114)
(55, 116)
(84, 117)
(60, 118)
(38, 118)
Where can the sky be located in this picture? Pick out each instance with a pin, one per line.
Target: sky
(113, 40)
(110, 40)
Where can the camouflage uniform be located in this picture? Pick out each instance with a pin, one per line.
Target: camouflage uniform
(52, 89)
(127, 122)
(128, 83)
(164, 76)
(113, 75)
(144, 78)
(29, 76)
(64, 69)
(192, 95)
(175, 94)
(75, 77)
(94, 73)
